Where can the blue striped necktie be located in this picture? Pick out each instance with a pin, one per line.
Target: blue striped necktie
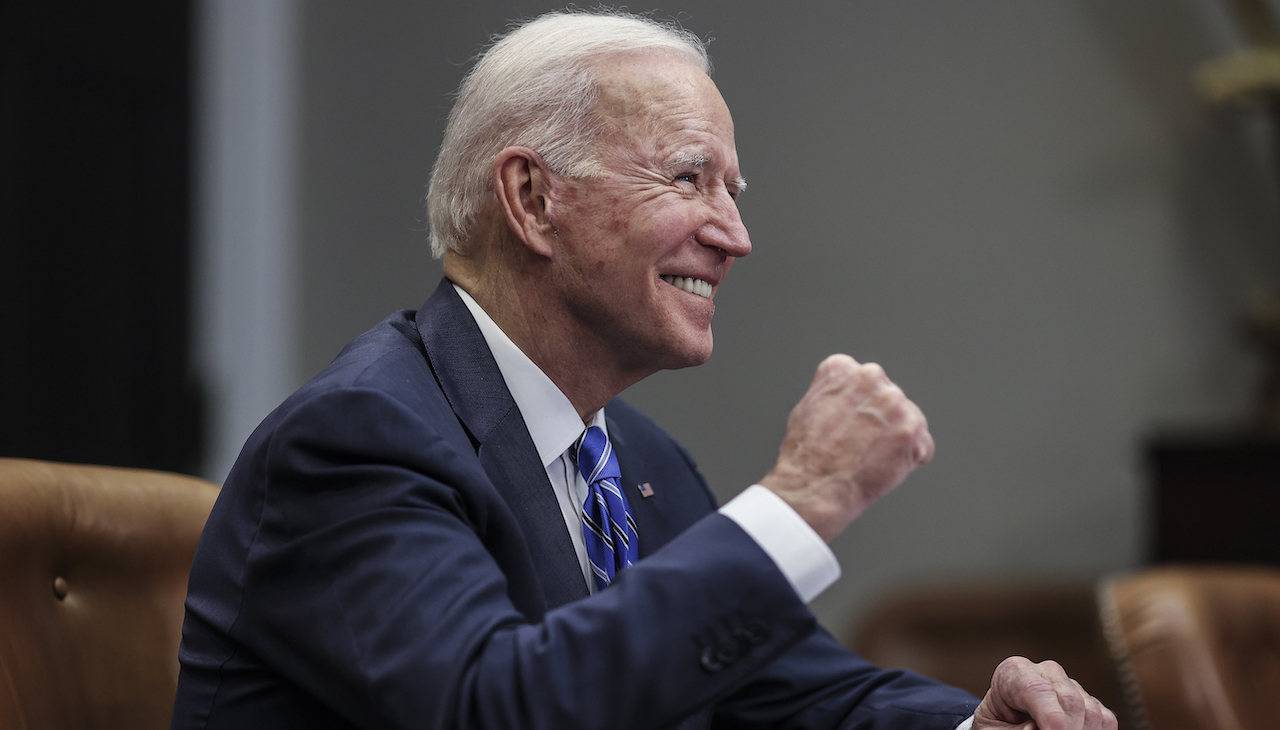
(608, 528)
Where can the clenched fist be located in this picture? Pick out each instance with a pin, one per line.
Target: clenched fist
(1028, 696)
(851, 439)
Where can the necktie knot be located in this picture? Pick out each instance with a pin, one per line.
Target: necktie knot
(595, 457)
(608, 528)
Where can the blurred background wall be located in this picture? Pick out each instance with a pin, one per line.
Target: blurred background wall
(1020, 209)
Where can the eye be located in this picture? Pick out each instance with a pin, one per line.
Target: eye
(689, 177)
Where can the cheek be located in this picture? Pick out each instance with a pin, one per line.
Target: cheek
(674, 231)
(604, 215)
(618, 221)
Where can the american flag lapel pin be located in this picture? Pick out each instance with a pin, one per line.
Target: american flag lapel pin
(646, 491)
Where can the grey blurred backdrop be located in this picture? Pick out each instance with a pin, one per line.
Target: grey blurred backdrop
(1019, 208)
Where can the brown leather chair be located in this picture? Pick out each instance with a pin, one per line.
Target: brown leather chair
(958, 633)
(1198, 647)
(93, 573)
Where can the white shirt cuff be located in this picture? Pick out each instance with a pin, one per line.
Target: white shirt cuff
(966, 725)
(798, 551)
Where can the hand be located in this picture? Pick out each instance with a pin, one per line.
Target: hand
(1024, 695)
(851, 439)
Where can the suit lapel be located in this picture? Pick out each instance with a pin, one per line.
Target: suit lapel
(641, 510)
(471, 381)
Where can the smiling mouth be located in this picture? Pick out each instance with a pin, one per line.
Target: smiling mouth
(689, 284)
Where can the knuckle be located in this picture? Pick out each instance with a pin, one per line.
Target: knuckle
(838, 361)
(1014, 663)
(895, 415)
(873, 371)
(1050, 667)
(902, 428)
(834, 368)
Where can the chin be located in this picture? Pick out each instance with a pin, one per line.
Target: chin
(694, 354)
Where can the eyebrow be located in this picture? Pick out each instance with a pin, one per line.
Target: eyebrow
(694, 159)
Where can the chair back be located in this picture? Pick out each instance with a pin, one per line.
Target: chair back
(93, 573)
(1198, 647)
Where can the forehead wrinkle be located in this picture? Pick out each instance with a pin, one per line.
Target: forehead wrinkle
(656, 116)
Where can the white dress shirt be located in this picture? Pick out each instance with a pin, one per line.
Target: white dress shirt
(554, 426)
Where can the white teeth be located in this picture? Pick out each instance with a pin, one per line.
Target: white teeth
(689, 284)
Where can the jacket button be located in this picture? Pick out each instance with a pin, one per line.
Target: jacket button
(709, 660)
(730, 651)
(754, 632)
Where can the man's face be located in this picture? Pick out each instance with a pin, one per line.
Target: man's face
(663, 219)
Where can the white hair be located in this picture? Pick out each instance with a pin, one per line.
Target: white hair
(535, 87)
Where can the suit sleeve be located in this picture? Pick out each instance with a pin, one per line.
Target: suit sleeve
(820, 685)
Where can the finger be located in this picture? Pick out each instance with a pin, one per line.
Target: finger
(1074, 701)
(925, 447)
(907, 416)
(1078, 709)
(1020, 688)
(922, 440)
(1099, 717)
(1110, 721)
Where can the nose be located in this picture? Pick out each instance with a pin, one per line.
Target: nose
(724, 228)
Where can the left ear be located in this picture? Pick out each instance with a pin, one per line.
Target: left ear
(522, 181)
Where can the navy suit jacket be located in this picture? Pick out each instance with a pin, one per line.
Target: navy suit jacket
(387, 553)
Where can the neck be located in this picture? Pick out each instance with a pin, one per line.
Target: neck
(565, 349)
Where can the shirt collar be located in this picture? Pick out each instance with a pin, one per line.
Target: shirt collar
(552, 420)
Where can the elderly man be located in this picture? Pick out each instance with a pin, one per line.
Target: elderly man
(455, 525)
